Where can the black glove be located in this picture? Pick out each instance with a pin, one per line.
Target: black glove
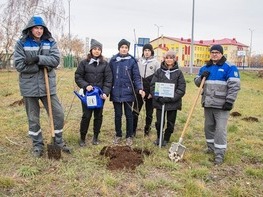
(43, 66)
(227, 106)
(205, 74)
(164, 100)
(32, 60)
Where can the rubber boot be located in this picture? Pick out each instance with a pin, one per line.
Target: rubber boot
(82, 141)
(95, 140)
(147, 130)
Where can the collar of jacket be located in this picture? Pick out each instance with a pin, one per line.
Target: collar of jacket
(164, 67)
(219, 63)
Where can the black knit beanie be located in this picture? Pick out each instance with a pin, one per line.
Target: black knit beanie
(217, 47)
(123, 42)
(150, 47)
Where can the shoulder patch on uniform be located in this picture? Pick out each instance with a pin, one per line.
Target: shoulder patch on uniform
(236, 74)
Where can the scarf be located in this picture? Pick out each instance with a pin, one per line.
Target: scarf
(122, 58)
(94, 60)
(168, 72)
(146, 61)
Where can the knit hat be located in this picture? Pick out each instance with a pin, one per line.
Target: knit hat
(170, 53)
(123, 42)
(94, 43)
(217, 47)
(148, 46)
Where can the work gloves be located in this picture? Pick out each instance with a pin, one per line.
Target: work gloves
(205, 74)
(164, 100)
(227, 106)
(32, 60)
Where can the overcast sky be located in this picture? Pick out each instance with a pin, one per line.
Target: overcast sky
(109, 21)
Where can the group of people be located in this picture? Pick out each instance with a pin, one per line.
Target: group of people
(129, 83)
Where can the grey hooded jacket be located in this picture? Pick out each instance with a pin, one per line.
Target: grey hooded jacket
(31, 77)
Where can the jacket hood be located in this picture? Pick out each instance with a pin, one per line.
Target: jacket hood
(164, 67)
(36, 21)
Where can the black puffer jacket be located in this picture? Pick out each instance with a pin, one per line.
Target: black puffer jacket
(94, 75)
(177, 78)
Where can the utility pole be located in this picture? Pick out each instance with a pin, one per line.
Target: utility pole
(69, 36)
(158, 31)
(250, 47)
(192, 39)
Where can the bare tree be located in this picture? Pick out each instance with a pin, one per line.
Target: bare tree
(77, 46)
(15, 15)
(257, 61)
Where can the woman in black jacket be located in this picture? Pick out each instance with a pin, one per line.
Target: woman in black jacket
(168, 73)
(93, 71)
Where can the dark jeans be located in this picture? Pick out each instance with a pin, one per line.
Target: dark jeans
(171, 117)
(149, 112)
(85, 121)
(118, 118)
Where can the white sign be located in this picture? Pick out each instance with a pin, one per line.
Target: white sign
(241, 53)
(164, 89)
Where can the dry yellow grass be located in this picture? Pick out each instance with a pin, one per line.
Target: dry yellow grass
(84, 172)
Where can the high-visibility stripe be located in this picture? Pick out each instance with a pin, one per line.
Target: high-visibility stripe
(31, 48)
(216, 82)
(34, 133)
(210, 140)
(220, 146)
(58, 131)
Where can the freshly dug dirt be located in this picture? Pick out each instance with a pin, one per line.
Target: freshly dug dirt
(234, 114)
(17, 103)
(260, 74)
(123, 157)
(250, 119)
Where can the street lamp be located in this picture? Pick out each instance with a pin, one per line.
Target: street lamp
(250, 47)
(158, 31)
(69, 36)
(192, 39)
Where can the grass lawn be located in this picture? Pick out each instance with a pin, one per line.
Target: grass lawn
(84, 173)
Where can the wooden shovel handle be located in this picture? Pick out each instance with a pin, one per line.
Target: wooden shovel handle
(192, 109)
(49, 103)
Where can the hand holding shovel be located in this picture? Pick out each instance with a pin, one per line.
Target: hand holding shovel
(54, 151)
(176, 151)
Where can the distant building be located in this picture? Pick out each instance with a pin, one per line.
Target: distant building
(235, 52)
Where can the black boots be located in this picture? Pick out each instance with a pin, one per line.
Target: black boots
(82, 141)
(147, 130)
(95, 140)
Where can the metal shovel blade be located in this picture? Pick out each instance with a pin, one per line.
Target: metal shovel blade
(53, 151)
(176, 151)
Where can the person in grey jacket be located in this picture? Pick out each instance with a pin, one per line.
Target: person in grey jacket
(93, 71)
(35, 50)
(171, 74)
(148, 65)
(219, 94)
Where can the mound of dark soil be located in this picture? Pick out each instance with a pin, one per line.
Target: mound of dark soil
(250, 119)
(260, 74)
(234, 114)
(123, 157)
(17, 103)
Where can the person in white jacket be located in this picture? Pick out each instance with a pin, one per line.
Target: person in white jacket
(148, 65)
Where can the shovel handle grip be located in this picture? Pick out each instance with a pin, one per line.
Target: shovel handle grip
(49, 103)
(192, 109)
